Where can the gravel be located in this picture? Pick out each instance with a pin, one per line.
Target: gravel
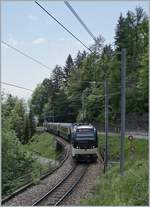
(63, 188)
(84, 188)
(33, 193)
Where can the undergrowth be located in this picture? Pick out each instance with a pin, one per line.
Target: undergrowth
(130, 189)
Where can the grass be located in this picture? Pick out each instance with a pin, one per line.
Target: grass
(43, 144)
(130, 189)
(141, 147)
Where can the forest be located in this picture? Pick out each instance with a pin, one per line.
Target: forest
(80, 83)
(77, 88)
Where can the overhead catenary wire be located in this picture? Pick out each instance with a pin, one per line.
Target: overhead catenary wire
(16, 86)
(80, 20)
(96, 96)
(100, 83)
(26, 55)
(50, 116)
(62, 26)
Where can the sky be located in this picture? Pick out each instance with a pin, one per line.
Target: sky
(29, 29)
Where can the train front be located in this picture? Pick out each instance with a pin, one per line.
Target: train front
(84, 142)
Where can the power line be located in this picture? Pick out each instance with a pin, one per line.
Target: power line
(80, 20)
(96, 96)
(63, 26)
(24, 54)
(13, 85)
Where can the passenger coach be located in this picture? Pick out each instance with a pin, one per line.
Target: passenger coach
(83, 138)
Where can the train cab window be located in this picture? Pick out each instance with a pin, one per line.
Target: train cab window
(85, 133)
(85, 130)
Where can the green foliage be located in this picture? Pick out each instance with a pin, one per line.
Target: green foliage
(15, 117)
(80, 57)
(132, 34)
(87, 72)
(94, 106)
(141, 147)
(68, 68)
(42, 144)
(113, 189)
(20, 164)
(98, 45)
(130, 189)
(16, 162)
(78, 87)
(40, 97)
(17, 129)
(57, 77)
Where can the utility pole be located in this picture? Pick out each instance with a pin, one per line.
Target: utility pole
(123, 108)
(83, 106)
(53, 116)
(94, 69)
(83, 103)
(106, 124)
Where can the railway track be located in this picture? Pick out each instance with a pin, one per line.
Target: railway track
(60, 191)
(28, 185)
(54, 188)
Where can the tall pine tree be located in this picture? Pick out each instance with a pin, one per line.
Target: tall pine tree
(68, 68)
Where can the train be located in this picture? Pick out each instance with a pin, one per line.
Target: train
(82, 137)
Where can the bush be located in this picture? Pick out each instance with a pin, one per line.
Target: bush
(16, 161)
(43, 144)
(113, 189)
(130, 189)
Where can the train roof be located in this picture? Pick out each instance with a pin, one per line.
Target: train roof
(62, 124)
(76, 125)
(65, 124)
(84, 126)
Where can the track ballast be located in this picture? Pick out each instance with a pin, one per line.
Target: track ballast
(63, 189)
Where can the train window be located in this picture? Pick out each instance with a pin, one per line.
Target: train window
(85, 130)
(85, 135)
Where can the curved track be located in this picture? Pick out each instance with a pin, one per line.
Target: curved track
(53, 189)
(59, 192)
(25, 187)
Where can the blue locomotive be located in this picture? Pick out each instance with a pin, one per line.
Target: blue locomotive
(83, 138)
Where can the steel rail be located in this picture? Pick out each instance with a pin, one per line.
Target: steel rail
(71, 189)
(55, 187)
(59, 186)
(26, 186)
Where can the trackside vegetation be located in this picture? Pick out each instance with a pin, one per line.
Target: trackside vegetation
(82, 77)
(17, 128)
(130, 189)
(43, 149)
(60, 97)
(19, 146)
(20, 163)
(43, 144)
